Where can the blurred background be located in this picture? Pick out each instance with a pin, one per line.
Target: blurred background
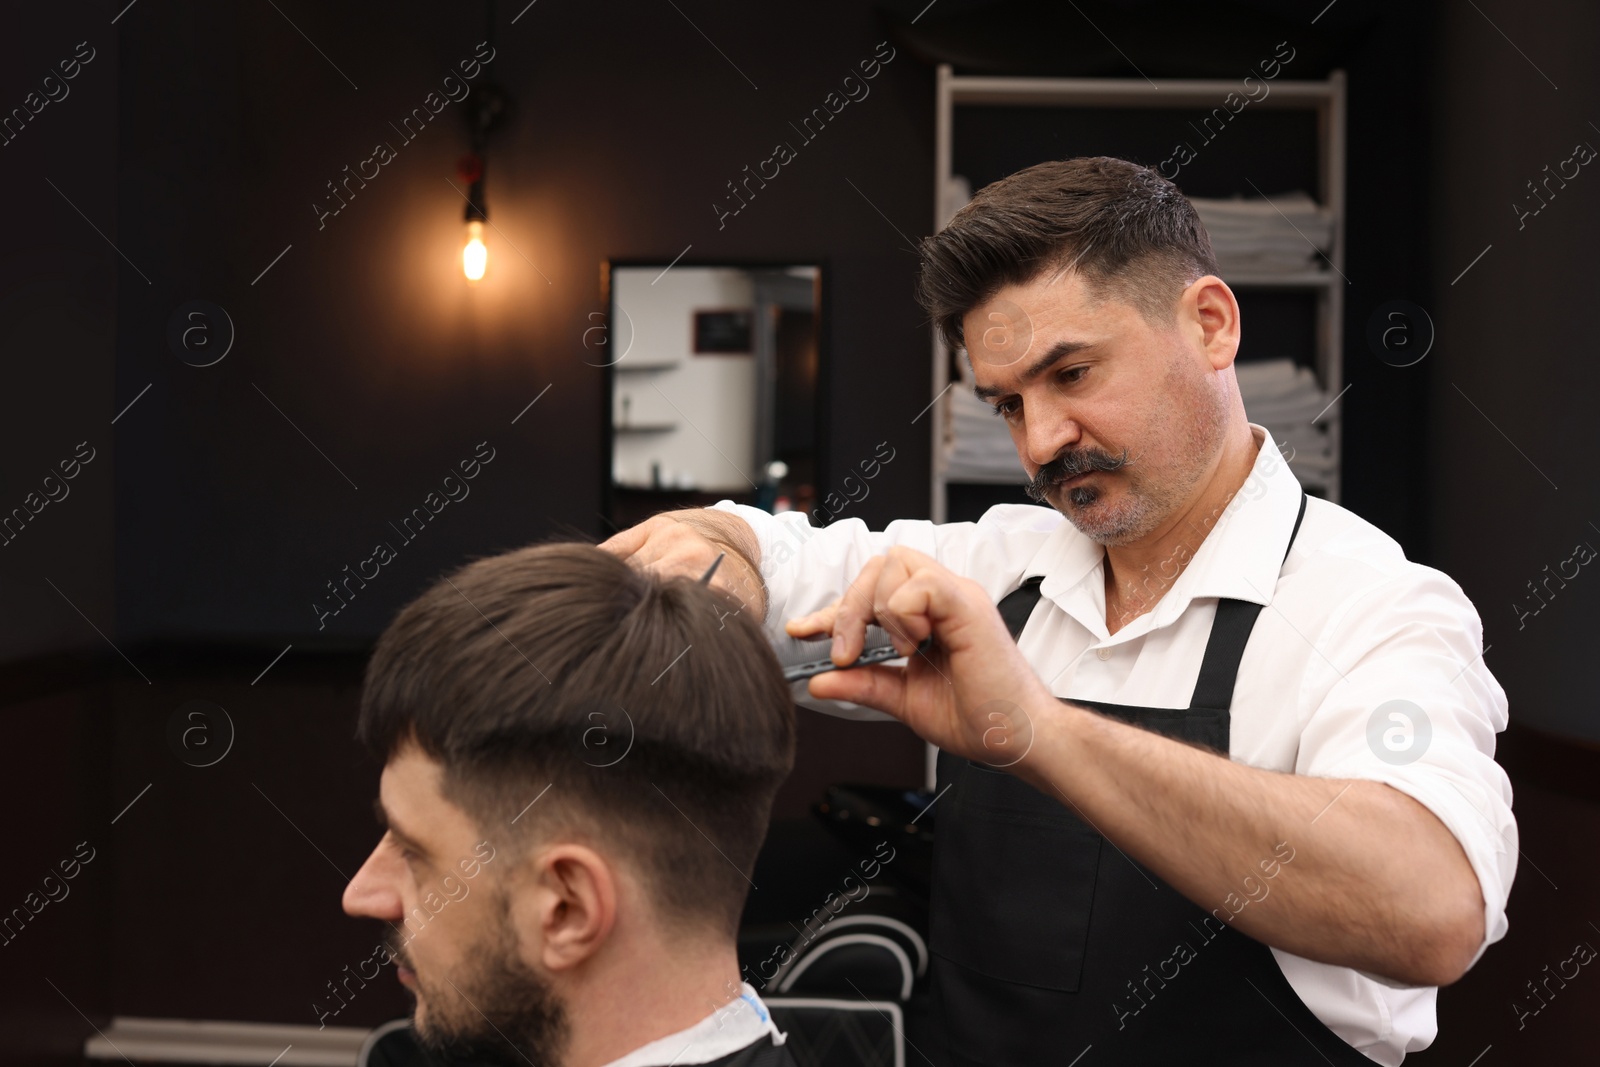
(276, 276)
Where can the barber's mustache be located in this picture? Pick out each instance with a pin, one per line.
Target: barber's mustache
(1070, 465)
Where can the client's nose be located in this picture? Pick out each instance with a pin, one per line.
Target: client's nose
(373, 893)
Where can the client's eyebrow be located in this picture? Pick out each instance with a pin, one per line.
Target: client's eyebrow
(382, 815)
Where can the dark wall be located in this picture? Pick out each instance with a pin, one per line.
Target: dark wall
(1515, 379)
(58, 288)
(365, 337)
(1511, 459)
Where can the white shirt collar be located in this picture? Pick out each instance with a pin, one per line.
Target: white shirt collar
(737, 1024)
(1239, 558)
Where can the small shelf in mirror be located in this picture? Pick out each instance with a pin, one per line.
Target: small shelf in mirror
(669, 365)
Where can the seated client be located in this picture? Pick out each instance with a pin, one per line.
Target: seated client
(580, 759)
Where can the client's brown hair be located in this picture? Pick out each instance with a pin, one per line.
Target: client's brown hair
(544, 665)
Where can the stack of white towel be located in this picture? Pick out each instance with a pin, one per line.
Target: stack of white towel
(1282, 233)
(1285, 398)
(978, 445)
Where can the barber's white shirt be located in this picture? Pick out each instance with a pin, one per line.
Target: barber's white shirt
(1349, 627)
(737, 1024)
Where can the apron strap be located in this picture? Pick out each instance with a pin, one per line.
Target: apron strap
(1225, 648)
(1017, 605)
(1230, 632)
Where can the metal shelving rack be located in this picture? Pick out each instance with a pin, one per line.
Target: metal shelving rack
(1325, 97)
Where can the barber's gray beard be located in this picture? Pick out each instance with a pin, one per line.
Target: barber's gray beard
(1107, 527)
(1083, 495)
(1125, 524)
(499, 1013)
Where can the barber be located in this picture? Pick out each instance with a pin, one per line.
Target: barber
(1216, 778)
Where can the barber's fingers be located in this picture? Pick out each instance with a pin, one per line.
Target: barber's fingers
(922, 597)
(900, 567)
(858, 609)
(874, 687)
(847, 618)
(864, 604)
(817, 624)
(625, 543)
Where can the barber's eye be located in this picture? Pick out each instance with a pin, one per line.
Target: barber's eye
(1073, 374)
(1006, 408)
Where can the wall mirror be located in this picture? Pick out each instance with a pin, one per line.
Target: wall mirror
(714, 385)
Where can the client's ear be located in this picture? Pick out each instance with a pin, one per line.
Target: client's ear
(571, 899)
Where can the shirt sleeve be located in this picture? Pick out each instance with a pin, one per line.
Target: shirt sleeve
(806, 568)
(1407, 700)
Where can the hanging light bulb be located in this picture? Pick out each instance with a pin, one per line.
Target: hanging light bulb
(474, 254)
(486, 110)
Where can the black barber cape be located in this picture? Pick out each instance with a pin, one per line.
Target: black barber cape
(399, 1048)
(1048, 942)
(761, 1053)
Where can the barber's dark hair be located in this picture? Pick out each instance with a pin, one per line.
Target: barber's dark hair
(1127, 231)
(545, 665)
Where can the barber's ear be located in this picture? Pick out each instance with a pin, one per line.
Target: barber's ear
(1212, 309)
(572, 894)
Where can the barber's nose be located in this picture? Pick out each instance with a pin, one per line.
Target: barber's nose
(1049, 432)
(373, 892)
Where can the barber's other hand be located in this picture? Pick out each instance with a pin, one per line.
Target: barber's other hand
(973, 694)
(688, 542)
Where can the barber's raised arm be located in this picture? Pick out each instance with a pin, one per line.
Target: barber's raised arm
(803, 565)
(805, 568)
(783, 567)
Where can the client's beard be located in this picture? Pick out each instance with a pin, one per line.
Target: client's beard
(498, 1013)
(1070, 465)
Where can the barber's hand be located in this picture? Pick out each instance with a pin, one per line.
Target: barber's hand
(973, 694)
(688, 542)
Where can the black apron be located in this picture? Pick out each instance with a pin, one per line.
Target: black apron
(1047, 941)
